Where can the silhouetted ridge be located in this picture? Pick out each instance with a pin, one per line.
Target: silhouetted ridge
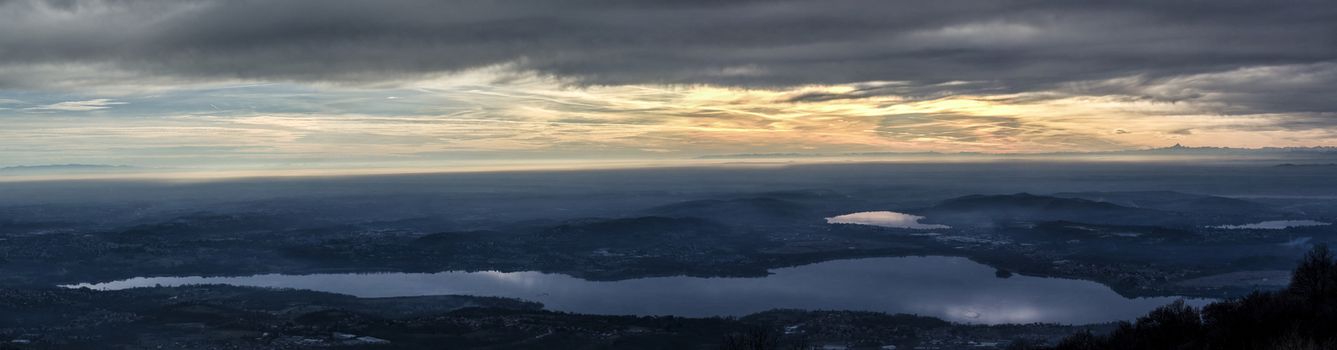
(1302, 316)
(1024, 201)
(1172, 201)
(734, 209)
(648, 225)
(1029, 207)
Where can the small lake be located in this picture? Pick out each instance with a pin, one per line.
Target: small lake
(1274, 225)
(951, 288)
(884, 219)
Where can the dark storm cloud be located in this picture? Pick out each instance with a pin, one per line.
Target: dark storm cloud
(995, 45)
(1301, 91)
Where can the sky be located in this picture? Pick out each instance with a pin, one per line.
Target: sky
(313, 83)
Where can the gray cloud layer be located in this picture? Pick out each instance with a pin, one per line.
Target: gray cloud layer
(1008, 46)
(629, 41)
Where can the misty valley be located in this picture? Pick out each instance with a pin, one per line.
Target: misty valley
(668, 174)
(949, 255)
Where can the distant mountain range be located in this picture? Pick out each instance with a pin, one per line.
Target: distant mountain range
(1176, 150)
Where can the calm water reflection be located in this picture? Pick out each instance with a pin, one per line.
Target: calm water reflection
(954, 289)
(884, 219)
(1274, 225)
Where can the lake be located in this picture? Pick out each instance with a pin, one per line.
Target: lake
(1274, 225)
(884, 219)
(951, 288)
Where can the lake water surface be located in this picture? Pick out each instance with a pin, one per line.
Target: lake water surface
(955, 289)
(884, 219)
(1274, 225)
